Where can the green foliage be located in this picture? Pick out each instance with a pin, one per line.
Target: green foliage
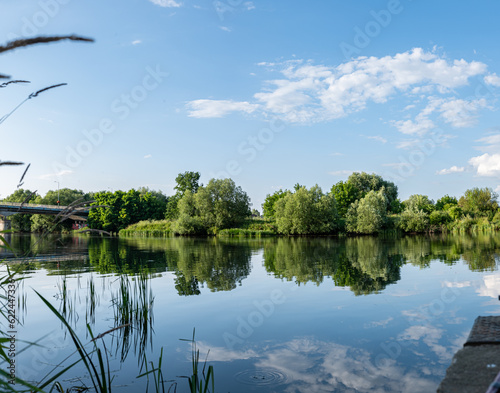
(62, 197)
(241, 232)
(268, 207)
(187, 181)
(148, 228)
(306, 212)
(114, 211)
(454, 211)
(21, 222)
(413, 221)
(439, 217)
(419, 202)
(345, 194)
(396, 206)
(446, 201)
(365, 183)
(479, 202)
(369, 214)
(171, 209)
(219, 205)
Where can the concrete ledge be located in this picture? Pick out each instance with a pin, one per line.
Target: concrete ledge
(472, 370)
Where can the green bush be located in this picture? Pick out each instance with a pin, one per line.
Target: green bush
(439, 217)
(413, 221)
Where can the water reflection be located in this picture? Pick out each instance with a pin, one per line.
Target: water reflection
(311, 365)
(364, 264)
(368, 264)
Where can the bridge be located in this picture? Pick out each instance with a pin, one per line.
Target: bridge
(77, 213)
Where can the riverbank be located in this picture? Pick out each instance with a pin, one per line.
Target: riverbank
(261, 227)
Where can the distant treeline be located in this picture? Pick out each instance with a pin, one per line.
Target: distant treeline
(363, 204)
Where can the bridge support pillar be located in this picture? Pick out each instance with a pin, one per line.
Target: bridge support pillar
(5, 225)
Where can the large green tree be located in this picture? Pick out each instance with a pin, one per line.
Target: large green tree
(306, 212)
(113, 211)
(419, 202)
(187, 181)
(479, 202)
(369, 214)
(218, 205)
(345, 194)
(364, 183)
(268, 206)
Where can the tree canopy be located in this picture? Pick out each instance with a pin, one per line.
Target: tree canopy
(306, 212)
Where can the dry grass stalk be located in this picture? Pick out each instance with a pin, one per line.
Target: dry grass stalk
(41, 40)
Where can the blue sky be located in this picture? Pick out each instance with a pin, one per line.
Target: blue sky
(269, 93)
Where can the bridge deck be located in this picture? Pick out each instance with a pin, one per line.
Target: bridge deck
(9, 208)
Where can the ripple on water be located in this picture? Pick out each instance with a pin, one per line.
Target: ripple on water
(261, 377)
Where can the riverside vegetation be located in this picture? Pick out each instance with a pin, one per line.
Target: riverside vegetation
(132, 304)
(363, 204)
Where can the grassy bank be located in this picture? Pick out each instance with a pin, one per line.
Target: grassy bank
(260, 227)
(149, 228)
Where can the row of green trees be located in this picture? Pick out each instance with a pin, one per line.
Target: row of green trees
(111, 212)
(363, 204)
(367, 204)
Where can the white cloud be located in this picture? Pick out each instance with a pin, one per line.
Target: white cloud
(341, 172)
(224, 28)
(63, 172)
(166, 3)
(407, 143)
(308, 93)
(493, 139)
(489, 286)
(377, 138)
(249, 5)
(458, 113)
(418, 127)
(453, 169)
(218, 108)
(396, 165)
(136, 42)
(486, 164)
(492, 79)
(461, 113)
(148, 156)
(313, 366)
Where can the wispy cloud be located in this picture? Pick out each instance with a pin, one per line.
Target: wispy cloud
(341, 172)
(225, 28)
(55, 175)
(136, 42)
(218, 108)
(453, 169)
(166, 3)
(148, 156)
(249, 5)
(377, 138)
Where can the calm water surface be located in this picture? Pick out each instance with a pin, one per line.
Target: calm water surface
(277, 315)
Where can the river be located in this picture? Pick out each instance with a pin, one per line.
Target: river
(361, 314)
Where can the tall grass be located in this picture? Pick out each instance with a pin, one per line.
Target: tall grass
(149, 228)
(133, 309)
(200, 381)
